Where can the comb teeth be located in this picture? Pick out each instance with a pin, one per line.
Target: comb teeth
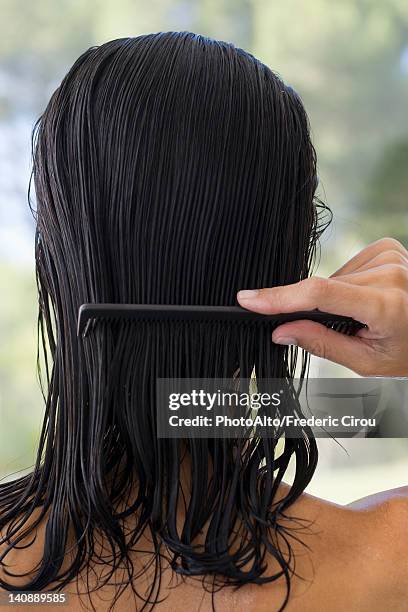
(88, 313)
(344, 327)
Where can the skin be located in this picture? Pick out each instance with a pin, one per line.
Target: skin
(357, 558)
(356, 562)
(372, 287)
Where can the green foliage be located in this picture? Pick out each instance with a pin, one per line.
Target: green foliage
(385, 194)
(20, 397)
(344, 58)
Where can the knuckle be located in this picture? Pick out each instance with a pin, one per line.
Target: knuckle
(393, 306)
(319, 345)
(391, 257)
(273, 295)
(398, 274)
(318, 286)
(381, 307)
(398, 258)
(318, 348)
(397, 302)
(390, 244)
(265, 292)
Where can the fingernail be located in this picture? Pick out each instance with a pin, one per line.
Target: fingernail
(248, 294)
(285, 341)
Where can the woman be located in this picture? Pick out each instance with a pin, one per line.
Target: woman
(176, 169)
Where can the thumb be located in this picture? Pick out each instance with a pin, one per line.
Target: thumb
(349, 351)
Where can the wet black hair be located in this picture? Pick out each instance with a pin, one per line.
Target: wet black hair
(169, 168)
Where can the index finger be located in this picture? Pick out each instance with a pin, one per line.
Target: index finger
(327, 294)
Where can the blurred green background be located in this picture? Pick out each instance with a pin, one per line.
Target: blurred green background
(348, 61)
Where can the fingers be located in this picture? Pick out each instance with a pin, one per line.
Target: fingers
(363, 258)
(352, 352)
(392, 258)
(372, 288)
(393, 275)
(365, 304)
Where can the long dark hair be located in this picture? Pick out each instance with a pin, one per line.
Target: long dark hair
(174, 169)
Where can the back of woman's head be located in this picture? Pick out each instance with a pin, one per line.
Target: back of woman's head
(168, 169)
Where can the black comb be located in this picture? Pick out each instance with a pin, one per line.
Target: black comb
(161, 312)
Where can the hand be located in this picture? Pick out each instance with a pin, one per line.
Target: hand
(372, 287)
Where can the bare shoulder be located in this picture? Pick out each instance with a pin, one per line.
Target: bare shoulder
(353, 557)
(348, 558)
(386, 517)
(392, 500)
